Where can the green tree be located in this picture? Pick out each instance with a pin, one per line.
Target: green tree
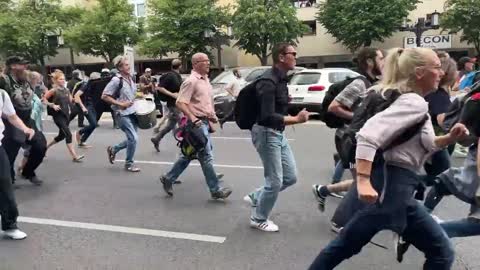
(184, 27)
(28, 28)
(104, 30)
(258, 25)
(463, 16)
(357, 23)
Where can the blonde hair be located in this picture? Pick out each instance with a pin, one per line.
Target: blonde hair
(400, 67)
(118, 61)
(449, 66)
(56, 75)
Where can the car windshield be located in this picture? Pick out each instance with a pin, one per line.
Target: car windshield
(254, 74)
(305, 78)
(227, 76)
(334, 77)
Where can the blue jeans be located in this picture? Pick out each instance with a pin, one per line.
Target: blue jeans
(279, 168)
(461, 228)
(397, 210)
(128, 125)
(91, 116)
(205, 158)
(338, 172)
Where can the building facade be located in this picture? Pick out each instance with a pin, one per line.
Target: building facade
(316, 49)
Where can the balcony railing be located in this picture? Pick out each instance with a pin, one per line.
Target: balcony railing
(305, 3)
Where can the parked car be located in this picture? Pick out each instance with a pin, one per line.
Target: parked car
(223, 102)
(307, 88)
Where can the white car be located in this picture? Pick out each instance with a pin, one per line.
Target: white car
(307, 88)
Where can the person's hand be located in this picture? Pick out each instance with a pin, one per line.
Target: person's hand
(56, 107)
(30, 133)
(84, 110)
(175, 95)
(303, 116)
(458, 131)
(211, 127)
(366, 192)
(126, 104)
(197, 122)
(213, 119)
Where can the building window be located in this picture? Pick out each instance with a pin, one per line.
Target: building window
(312, 28)
(304, 3)
(141, 10)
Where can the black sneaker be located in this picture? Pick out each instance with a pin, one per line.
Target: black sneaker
(400, 248)
(111, 155)
(34, 180)
(319, 197)
(156, 144)
(335, 228)
(222, 193)
(167, 185)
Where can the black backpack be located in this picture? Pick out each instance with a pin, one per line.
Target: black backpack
(345, 138)
(247, 105)
(330, 119)
(458, 112)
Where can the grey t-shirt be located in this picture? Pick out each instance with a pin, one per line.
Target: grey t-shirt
(127, 93)
(352, 94)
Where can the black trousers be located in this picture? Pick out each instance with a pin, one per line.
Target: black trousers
(8, 205)
(77, 111)
(12, 145)
(62, 122)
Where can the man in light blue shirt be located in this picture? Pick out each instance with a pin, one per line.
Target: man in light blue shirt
(120, 93)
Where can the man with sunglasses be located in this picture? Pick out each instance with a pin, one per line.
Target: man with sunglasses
(269, 138)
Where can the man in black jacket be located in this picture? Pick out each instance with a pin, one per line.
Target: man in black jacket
(15, 84)
(269, 138)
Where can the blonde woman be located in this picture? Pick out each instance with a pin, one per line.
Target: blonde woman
(59, 101)
(388, 184)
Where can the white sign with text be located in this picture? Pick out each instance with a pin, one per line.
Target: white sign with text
(433, 41)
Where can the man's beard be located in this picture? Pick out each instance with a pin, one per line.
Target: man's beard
(20, 75)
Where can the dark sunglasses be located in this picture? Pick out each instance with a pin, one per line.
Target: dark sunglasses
(294, 54)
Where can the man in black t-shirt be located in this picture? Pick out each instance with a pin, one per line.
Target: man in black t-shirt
(168, 88)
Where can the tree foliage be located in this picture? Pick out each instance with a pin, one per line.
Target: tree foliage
(258, 25)
(104, 30)
(357, 23)
(25, 27)
(180, 26)
(463, 16)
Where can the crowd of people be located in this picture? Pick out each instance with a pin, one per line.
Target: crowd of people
(391, 165)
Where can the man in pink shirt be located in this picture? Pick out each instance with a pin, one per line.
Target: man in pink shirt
(196, 102)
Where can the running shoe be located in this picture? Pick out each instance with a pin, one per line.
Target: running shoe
(15, 234)
(335, 228)
(266, 226)
(222, 193)
(167, 185)
(250, 199)
(400, 247)
(319, 197)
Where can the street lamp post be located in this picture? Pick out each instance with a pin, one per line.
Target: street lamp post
(432, 21)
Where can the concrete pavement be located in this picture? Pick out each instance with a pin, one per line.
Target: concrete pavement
(105, 206)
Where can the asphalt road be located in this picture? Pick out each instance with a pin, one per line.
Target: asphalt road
(97, 216)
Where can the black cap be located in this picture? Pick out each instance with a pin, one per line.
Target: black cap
(12, 60)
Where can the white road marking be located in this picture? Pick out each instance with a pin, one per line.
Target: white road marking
(196, 164)
(121, 229)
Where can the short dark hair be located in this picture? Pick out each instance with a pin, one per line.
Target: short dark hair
(363, 55)
(278, 49)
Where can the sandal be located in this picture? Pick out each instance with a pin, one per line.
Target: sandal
(111, 155)
(79, 159)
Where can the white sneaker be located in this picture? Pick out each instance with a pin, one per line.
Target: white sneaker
(266, 226)
(249, 199)
(15, 234)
